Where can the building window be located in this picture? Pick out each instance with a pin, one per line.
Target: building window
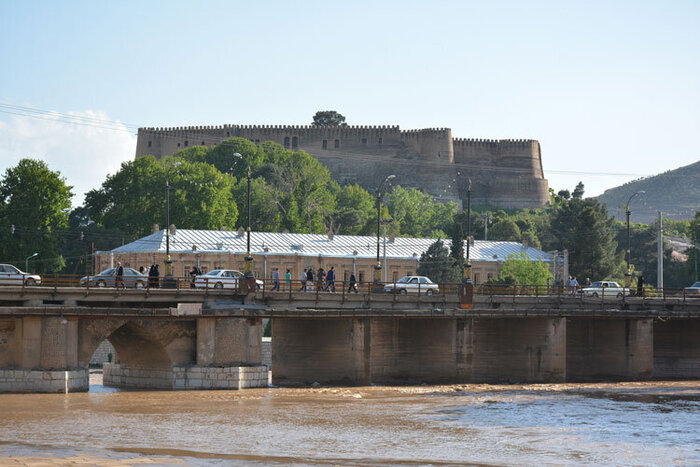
(257, 141)
(476, 278)
(325, 144)
(187, 143)
(364, 140)
(394, 276)
(295, 142)
(362, 277)
(149, 144)
(336, 143)
(286, 142)
(489, 276)
(380, 141)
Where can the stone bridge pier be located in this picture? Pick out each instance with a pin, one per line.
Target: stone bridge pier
(495, 349)
(51, 354)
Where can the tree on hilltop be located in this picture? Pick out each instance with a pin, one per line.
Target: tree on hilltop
(329, 118)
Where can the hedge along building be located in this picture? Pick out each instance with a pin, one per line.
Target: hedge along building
(216, 249)
(505, 173)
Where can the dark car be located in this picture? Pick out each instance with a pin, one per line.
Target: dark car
(108, 278)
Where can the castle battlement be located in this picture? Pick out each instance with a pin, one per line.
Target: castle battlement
(506, 172)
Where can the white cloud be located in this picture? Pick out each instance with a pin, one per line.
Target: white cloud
(84, 153)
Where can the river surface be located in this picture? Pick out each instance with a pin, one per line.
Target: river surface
(557, 424)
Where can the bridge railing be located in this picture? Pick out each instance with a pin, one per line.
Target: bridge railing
(297, 288)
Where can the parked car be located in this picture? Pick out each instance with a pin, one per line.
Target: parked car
(223, 279)
(604, 288)
(412, 284)
(693, 290)
(108, 278)
(10, 275)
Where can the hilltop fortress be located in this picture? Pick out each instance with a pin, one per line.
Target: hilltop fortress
(504, 173)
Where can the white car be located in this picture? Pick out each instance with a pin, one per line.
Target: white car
(10, 275)
(693, 290)
(604, 289)
(223, 279)
(412, 284)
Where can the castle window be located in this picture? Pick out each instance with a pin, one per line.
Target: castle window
(380, 141)
(364, 140)
(203, 143)
(149, 144)
(257, 141)
(228, 133)
(178, 145)
(286, 142)
(325, 144)
(187, 143)
(336, 144)
(295, 142)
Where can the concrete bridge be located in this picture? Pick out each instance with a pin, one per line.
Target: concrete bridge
(204, 339)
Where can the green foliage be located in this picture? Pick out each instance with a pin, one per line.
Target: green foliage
(583, 228)
(417, 214)
(438, 265)
(328, 118)
(519, 269)
(133, 199)
(36, 201)
(355, 212)
(506, 230)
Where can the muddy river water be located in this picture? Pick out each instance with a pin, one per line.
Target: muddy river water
(560, 424)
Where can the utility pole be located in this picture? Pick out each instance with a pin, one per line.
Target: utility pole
(660, 262)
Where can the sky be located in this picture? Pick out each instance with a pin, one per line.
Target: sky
(610, 89)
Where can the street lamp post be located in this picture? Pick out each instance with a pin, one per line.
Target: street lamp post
(26, 261)
(168, 279)
(378, 286)
(248, 267)
(467, 277)
(628, 274)
(466, 290)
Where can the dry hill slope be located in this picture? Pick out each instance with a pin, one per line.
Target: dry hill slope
(675, 193)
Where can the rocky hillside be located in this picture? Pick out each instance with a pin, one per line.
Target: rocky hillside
(676, 193)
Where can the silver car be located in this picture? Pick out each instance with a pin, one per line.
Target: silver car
(412, 284)
(10, 275)
(108, 278)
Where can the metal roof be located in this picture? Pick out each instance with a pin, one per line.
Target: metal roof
(269, 243)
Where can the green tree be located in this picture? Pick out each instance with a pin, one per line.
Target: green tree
(36, 201)
(328, 118)
(355, 209)
(578, 191)
(584, 229)
(438, 265)
(519, 269)
(133, 199)
(505, 229)
(417, 214)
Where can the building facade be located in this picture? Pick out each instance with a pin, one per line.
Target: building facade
(214, 249)
(504, 173)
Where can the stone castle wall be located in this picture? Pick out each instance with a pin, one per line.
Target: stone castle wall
(504, 173)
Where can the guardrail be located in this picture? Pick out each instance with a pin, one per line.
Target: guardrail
(342, 288)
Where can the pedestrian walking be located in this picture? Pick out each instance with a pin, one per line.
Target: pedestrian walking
(302, 279)
(310, 279)
(193, 276)
(330, 280)
(288, 280)
(320, 278)
(353, 283)
(120, 275)
(276, 280)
